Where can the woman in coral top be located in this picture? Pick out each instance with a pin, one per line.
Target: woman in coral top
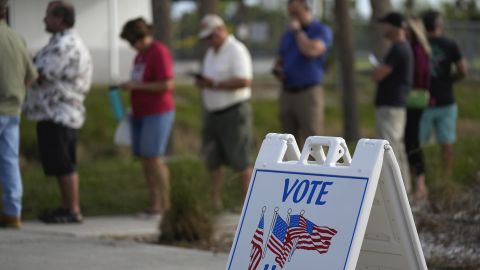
(153, 109)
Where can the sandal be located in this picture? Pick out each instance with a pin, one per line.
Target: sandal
(61, 215)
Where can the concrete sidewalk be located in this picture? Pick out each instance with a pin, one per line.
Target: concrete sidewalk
(97, 227)
(87, 246)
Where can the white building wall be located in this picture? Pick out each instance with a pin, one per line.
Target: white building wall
(92, 23)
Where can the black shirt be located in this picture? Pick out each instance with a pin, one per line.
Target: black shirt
(445, 52)
(393, 89)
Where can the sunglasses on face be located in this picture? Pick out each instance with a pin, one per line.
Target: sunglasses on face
(132, 42)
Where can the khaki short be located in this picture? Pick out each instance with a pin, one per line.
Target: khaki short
(390, 124)
(227, 137)
(302, 113)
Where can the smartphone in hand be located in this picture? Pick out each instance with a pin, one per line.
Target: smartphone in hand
(276, 72)
(373, 60)
(196, 75)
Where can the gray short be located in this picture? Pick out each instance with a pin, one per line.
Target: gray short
(227, 137)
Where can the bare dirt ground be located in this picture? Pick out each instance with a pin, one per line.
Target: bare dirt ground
(450, 233)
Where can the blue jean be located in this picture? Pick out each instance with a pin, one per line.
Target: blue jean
(150, 134)
(9, 168)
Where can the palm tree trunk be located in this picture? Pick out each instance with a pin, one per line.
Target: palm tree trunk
(162, 23)
(206, 7)
(379, 44)
(410, 7)
(345, 53)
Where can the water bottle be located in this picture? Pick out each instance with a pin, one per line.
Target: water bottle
(116, 102)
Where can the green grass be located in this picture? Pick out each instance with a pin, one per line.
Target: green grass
(189, 112)
(108, 185)
(468, 99)
(467, 147)
(112, 180)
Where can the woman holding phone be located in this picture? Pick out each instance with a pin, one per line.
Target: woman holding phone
(151, 89)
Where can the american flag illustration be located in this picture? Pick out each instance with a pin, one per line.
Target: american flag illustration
(295, 231)
(257, 244)
(316, 237)
(277, 239)
(303, 234)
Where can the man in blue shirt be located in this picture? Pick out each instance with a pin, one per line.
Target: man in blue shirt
(300, 66)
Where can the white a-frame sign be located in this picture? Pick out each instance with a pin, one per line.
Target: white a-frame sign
(323, 209)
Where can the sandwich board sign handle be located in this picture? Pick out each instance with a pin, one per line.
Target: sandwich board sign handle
(322, 208)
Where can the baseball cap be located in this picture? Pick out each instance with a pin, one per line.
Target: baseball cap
(208, 24)
(393, 18)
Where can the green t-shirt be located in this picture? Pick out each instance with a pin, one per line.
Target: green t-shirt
(16, 69)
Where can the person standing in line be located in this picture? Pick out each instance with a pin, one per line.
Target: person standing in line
(394, 78)
(16, 72)
(56, 101)
(421, 80)
(441, 115)
(151, 89)
(227, 122)
(300, 67)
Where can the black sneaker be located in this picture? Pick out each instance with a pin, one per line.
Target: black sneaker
(61, 215)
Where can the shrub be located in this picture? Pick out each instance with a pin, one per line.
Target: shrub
(189, 219)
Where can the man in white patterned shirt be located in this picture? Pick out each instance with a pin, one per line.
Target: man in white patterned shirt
(56, 102)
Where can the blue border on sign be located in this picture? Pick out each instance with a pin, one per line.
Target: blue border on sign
(300, 173)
